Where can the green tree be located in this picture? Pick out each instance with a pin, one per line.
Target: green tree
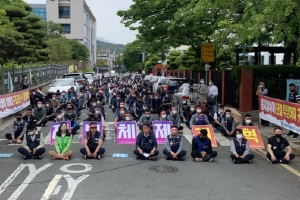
(59, 49)
(172, 60)
(133, 54)
(79, 51)
(101, 62)
(53, 30)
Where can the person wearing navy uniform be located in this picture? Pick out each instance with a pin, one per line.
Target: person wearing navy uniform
(201, 120)
(201, 147)
(240, 149)
(33, 143)
(18, 129)
(146, 143)
(276, 146)
(247, 121)
(218, 117)
(228, 124)
(174, 146)
(93, 143)
(294, 97)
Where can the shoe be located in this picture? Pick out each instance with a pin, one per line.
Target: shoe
(99, 157)
(10, 142)
(180, 159)
(210, 160)
(154, 158)
(295, 136)
(25, 157)
(20, 141)
(40, 156)
(66, 158)
(249, 161)
(53, 158)
(290, 133)
(137, 157)
(168, 158)
(198, 159)
(85, 156)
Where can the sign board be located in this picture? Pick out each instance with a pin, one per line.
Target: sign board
(207, 52)
(210, 133)
(126, 132)
(161, 130)
(252, 134)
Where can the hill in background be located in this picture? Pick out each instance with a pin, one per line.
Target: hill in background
(119, 48)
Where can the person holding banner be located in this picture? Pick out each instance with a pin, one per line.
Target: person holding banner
(146, 145)
(174, 146)
(33, 143)
(93, 143)
(201, 147)
(276, 146)
(240, 149)
(72, 117)
(18, 129)
(228, 124)
(63, 141)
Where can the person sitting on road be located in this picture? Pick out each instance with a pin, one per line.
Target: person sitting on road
(72, 117)
(59, 117)
(155, 103)
(33, 143)
(50, 111)
(92, 117)
(63, 141)
(218, 117)
(18, 129)
(240, 149)
(93, 143)
(184, 110)
(120, 117)
(163, 116)
(228, 124)
(190, 114)
(146, 145)
(276, 146)
(167, 98)
(247, 121)
(147, 117)
(55, 101)
(201, 147)
(121, 105)
(29, 118)
(40, 114)
(195, 116)
(201, 120)
(174, 146)
(165, 107)
(175, 118)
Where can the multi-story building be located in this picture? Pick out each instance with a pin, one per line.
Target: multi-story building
(78, 21)
(39, 10)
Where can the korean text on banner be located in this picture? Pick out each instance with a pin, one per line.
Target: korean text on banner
(282, 113)
(252, 134)
(161, 130)
(86, 128)
(210, 133)
(126, 132)
(13, 102)
(54, 128)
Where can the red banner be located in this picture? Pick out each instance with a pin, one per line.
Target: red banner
(13, 102)
(282, 113)
(252, 134)
(210, 133)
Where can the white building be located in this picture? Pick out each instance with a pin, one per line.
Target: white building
(78, 21)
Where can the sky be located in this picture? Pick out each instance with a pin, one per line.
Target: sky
(109, 24)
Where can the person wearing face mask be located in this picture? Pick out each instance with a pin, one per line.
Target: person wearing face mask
(82, 101)
(75, 101)
(121, 105)
(50, 111)
(29, 118)
(25, 83)
(247, 121)
(18, 129)
(137, 106)
(276, 147)
(72, 117)
(202, 91)
(40, 114)
(63, 141)
(218, 117)
(240, 149)
(201, 120)
(64, 95)
(184, 111)
(190, 114)
(294, 97)
(142, 111)
(155, 103)
(163, 116)
(112, 99)
(116, 103)
(213, 94)
(147, 117)
(92, 117)
(262, 90)
(93, 141)
(174, 117)
(201, 147)
(59, 117)
(33, 99)
(174, 146)
(228, 124)
(167, 97)
(55, 102)
(120, 117)
(195, 117)
(33, 143)
(165, 107)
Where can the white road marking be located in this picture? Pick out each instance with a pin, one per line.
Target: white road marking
(2, 139)
(72, 184)
(88, 167)
(11, 178)
(57, 189)
(52, 185)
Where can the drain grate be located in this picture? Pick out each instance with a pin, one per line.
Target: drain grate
(164, 169)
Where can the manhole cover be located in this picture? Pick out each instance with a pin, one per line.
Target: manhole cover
(164, 169)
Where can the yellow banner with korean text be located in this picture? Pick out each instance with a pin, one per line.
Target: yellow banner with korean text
(252, 134)
(210, 133)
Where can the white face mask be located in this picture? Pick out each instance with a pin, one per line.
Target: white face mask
(121, 106)
(199, 110)
(47, 105)
(248, 121)
(201, 82)
(39, 105)
(63, 93)
(74, 97)
(94, 104)
(210, 83)
(261, 86)
(122, 112)
(147, 115)
(156, 97)
(239, 136)
(221, 111)
(163, 116)
(174, 112)
(31, 133)
(127, 118)
(183, 102)
(63, 128)
(192, 109)
(59, 116)
(227, 116)
(97, 112)
(53, 98)
(25, 78)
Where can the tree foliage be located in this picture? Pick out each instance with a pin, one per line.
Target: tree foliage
(133, 54)
(79, 51)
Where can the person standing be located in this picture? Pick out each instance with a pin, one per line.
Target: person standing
(203, 92)
(262, 90)
(174, 145)
(213, 94)
(294, 97)
(25, 83)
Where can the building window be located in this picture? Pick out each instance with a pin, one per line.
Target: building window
(67, 28)
(64, 12)
(41, 12)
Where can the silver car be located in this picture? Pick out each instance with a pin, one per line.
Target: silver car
(155, 85)
(185, 93)
(64, 85)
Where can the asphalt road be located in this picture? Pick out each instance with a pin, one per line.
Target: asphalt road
(128, 178)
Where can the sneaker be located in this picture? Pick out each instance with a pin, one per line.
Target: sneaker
(40, 156)
(198, 159)
(66, 158)
(180, 159)
(210, 160)
(99, 157)
(295, 136)
(169, 158)
(249, 161)
(25, 157)
(53, 158)
(154, 158)
(85, 156)
(10, 142)
(20, 141)
(137, 157)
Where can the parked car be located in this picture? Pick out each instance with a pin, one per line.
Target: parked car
(79, 78)
(184, 93)
(90, 78)
(172, 84)
(63, 85)
(146, 80)
(159, 80)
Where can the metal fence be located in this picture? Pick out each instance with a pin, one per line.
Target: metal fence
(35, 74)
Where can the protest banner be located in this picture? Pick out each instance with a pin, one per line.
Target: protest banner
(126, 132)
(161, 130)
(210, 133)
(252, 134)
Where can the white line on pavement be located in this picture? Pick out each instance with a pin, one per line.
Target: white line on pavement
(57, 189)
(52, 185)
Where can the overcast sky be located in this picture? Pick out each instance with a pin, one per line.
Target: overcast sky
(108, 23)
